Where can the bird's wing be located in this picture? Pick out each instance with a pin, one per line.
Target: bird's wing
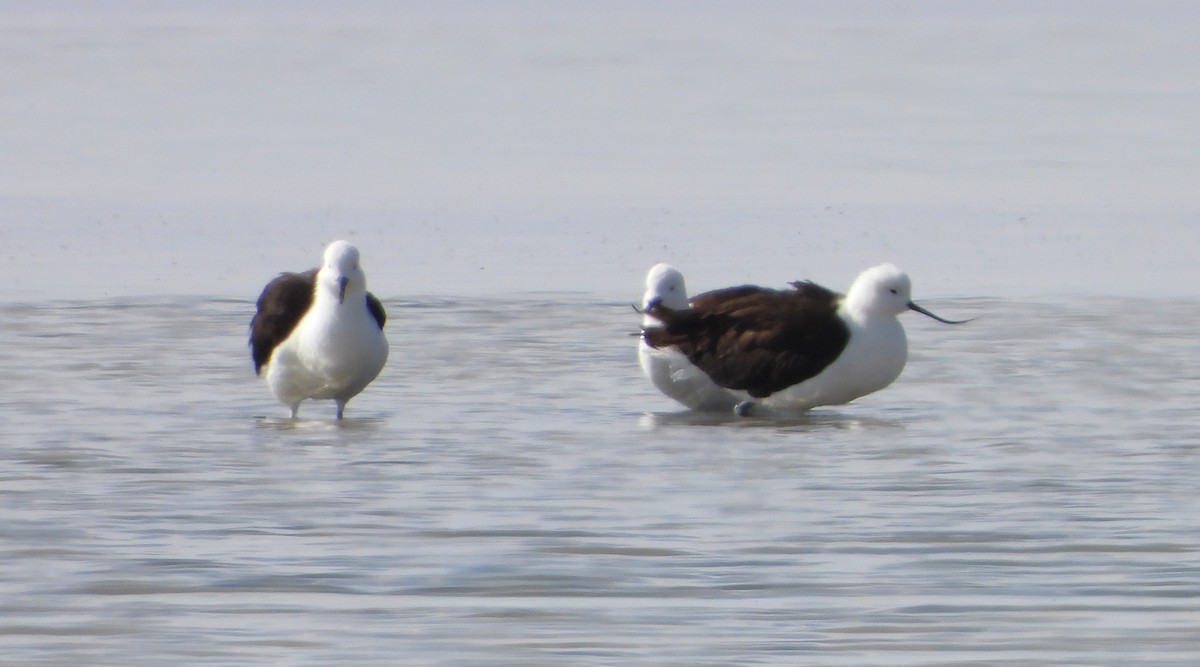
(280, 306)
(376, 309)
(756, 339)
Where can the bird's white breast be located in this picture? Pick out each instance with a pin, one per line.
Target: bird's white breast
(678, 378)
(334, 353)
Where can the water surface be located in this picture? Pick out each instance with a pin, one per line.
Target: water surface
(511, 491)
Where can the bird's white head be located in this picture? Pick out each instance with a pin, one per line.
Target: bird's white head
(341, 273)
(665, 283)
(880, 290)
(884, 290)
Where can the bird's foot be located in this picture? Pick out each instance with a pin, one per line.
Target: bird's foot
(744, 409)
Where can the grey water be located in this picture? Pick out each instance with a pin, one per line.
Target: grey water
(511, 491)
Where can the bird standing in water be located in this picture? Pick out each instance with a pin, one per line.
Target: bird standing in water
(749, 348)
(319, 334)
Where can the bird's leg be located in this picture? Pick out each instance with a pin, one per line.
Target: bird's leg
(341, 407)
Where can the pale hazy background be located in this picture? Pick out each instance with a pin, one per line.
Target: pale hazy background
(1012, 149)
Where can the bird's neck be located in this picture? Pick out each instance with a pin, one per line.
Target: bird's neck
(326, 300)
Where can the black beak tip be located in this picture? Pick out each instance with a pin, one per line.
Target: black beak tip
(919, 309)
(342, 283)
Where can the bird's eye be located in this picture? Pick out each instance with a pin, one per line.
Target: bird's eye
(893, 291)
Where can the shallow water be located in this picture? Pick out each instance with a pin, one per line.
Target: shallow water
(511, 491)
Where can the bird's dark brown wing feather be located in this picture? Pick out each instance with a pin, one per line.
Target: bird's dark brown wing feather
(280, 306)
(755, 339)
(376, 309)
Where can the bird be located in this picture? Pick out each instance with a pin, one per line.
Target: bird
(319, 334)
(754, 349)
(667, 368)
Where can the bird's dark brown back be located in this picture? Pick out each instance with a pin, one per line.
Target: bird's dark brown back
(756, 339)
